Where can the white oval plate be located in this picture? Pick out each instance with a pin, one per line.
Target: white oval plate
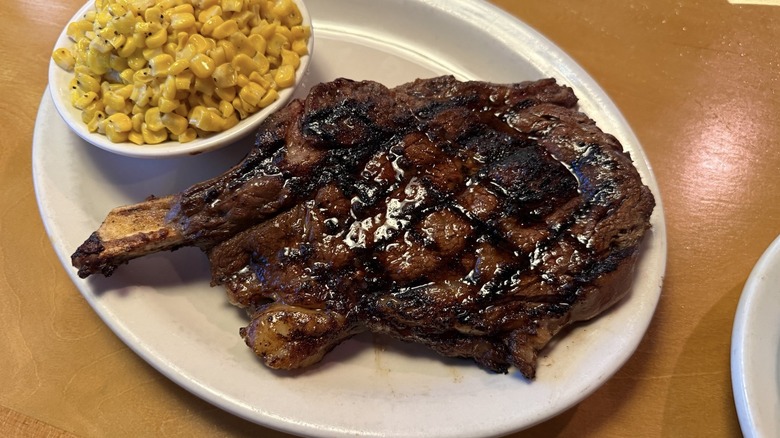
(59, 86)
(163, 308)
(755, 343)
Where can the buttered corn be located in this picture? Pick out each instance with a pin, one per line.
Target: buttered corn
(148, 71)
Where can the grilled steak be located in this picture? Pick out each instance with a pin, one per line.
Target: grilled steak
(475, 218)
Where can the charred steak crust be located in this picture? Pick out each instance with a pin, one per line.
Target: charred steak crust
(478, 219)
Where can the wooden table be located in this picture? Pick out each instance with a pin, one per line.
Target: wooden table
(696, 80)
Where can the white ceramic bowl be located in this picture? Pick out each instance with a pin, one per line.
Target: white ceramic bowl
(59, 80)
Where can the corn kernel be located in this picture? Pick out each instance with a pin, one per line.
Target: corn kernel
(92, 124)
(117, 63)
(125, 23)
(83, 100)
(243, 64)
(252, 93)
(200, 43)
(136, 61)
(115, 136)
(64, 59)
(204, 86)
(210, 12)
(137, 120)
(153, 120)
(184, 80)
(228, 48)
(276, 43)
(202, 65)
(127, 75)
(263, 64)
(175, 123)
(160, 65)
(153, 15)
(114, 101)
(211, 24)
(231, 121)
(206, 119)
(241, 42)
(157, 39)
(300, 47)
(257, 42)
(128, 48)
(232, 5)
(167, 105)
(91, 110)
(124, 91)
(238, 105)
(227, 93)
(218, 55)
(188, 135)
(77, 29)
(143, 76)
(183, 8)
(285, 76)
(152, 136)
(168, 88)
(268, 99)
(291, 58)
(241, 80)
(135, 137)
(178, 66)
(87, 82)
(244, 20)
(267, 30)
(98, 62)
(225, 76)
(226, 109)
(225, 29)
(257, 78)
(119, 122)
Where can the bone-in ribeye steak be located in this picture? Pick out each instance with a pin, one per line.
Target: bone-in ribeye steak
(475, 218)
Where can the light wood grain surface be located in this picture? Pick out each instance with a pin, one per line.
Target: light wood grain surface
(697, 81)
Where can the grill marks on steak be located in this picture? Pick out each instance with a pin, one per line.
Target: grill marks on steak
(437, 221)
(475, 218)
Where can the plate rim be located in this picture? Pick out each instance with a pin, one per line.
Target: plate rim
(744, 345)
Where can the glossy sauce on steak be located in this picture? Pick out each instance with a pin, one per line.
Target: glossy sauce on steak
(478, 219)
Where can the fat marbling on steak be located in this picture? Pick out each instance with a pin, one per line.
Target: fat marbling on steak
(478, 219)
